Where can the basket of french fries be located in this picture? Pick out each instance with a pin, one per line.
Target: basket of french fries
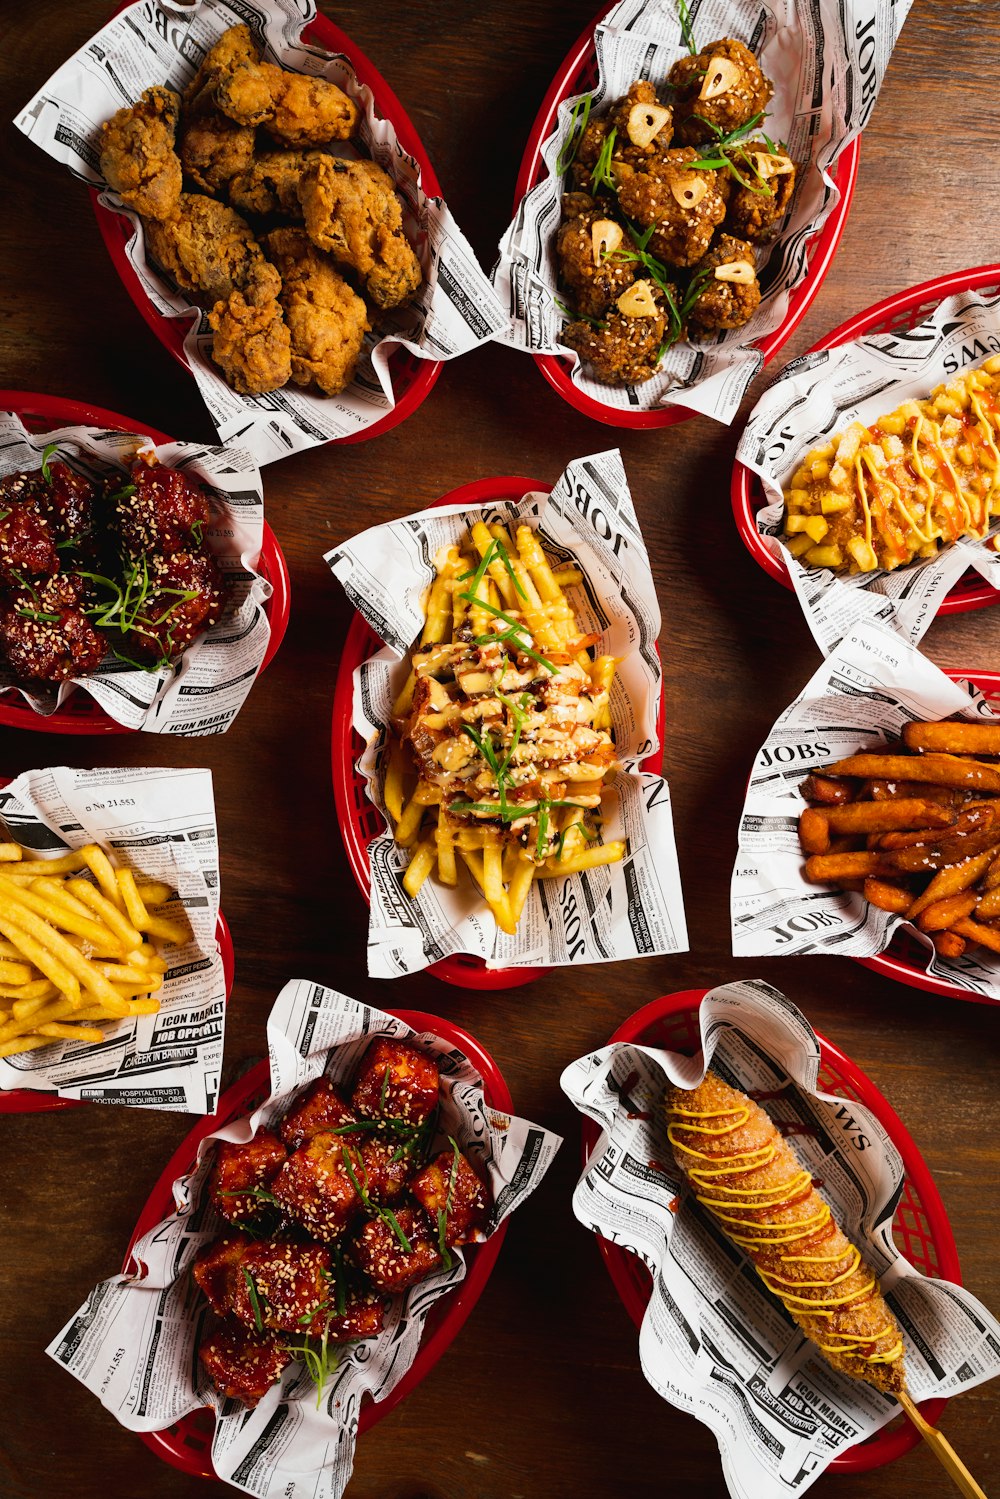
(112, 977)
(872, 819)
(510, 732)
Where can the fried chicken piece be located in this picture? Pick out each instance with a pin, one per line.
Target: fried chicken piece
(214, 148)
(306, 110)
(230, 76)
(138, 159)
(396, 1081)
(240, 1172)
(626, 118)
(451, 1193)
(327, 321)
(217, 1267)
(318, 1186)
(386, 1166)
(593, 286)
(684, 205)
(722, 86)
(773, 1212)
(185, 596)
(45, 635)
(27, 535)
(208, 249)
(252, 345)
(243, 1365)
(754, 212)
(319, 1110)
(726, 304)
(380, 1255)
(625, 351)
(351, 210)
(363, 1315)
(159, 510)
(283, 1287)
(271, 183)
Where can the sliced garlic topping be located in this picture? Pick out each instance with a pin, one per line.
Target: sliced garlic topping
(689, 190)
(721, 76)
(767, 166)
(638, 301)
(606, 236)
(645, 121)
(740, 271)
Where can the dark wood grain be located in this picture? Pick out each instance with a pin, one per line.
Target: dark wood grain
(542, 1394)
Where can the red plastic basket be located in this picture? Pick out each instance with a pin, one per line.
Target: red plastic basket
(81, 714)
(188, 1443)
(920, 1226)
(360, 820)
(412, 378)
(30, 1101)
(577, 74)
(905, 310)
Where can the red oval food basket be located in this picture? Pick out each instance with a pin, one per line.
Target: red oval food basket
(359, 819)
(904, 310)
(920, 1226)
(81, 714)
(577, 74)
(188, 1443)
(31, 1101)
(412, 378)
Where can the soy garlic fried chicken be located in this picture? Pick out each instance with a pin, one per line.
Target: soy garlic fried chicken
(252, 345)
(684, 205)
(138, 159)
(243, 1365)
(396, 1081)
(45, 635)
(450, 1185)
(351, 210)
(380, 1255)
(755, 211)
(282, 1286)
(208, 249)
(213, 148)
(722, 86)
(726, 303)
(624, 351)
(587, 246)
(271, 183)
(28, 536)
(241, 1172)
(326, 320)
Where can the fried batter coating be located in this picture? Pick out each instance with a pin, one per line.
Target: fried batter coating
(243, 1364)
(271, 183)
(593, 286)
(252, 345)
(684, 205)
(766, 1204)
(396, 1080)
(138, 159)
(728, 71)
(214, 148)
(230, 75)
(351, 210)
(725, 304)
(207, 248)
(327, 321)
(307, 111)
(755, 212)
(625, 351)
(44, 634)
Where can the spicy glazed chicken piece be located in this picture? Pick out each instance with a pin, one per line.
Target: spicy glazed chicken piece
(684, 205)
(138, 159)
(327, 320)
(318, 1186)
(587, 247)
(45, 634)
(732, 293)
(396, 1081)
(186, 595)
(722, 86)
(624, 349)
(208, 249)
(450, 1185)
(755, 211)
(318, 1110)
(283, 1287)
(230, 77)
(271, 183)
(252, 345)
(381, 1256)
(159, 509)
(243, 1364)
(213, 148)
(66, 499)
(217, 1267)
(352, 211)
(27, 536)
(306, 110)
(363, 1315)
(387, 1166)
(240, 1172)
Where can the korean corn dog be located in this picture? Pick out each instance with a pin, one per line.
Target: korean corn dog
(748, 1177)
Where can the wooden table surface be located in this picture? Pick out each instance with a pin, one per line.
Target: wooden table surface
(541, 1395)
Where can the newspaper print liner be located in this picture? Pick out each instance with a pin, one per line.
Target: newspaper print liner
(162, 823)
(827, 64)
(872, 685)
(164, 41)
(634, 908)
(714, 1342)
(133, 1343)
(203, 693)
(820, 395)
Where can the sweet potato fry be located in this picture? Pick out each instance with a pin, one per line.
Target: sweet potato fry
(887, 897)
(830, 869)
(890, 791)
(982, 836)
(814, 831)
(974, 931)
(880, 817)
(941, 770)
(953, 738)
(944, 913)
(817, 788)
(991, 879)
(988, 908)
(951, 881)
(949, 944)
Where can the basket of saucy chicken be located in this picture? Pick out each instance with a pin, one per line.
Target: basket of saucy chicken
(672, 177)
(115, 566)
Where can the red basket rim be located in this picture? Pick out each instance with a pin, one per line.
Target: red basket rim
(116, 231)
(888, 1444)
(462, 969)
(32, 1101)
(88, 717)
(746, 492)
(822, 246)
(441, 1328)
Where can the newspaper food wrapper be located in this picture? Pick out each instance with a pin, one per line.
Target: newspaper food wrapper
(163, 42)
(205, 690)
(159, 823)
(714, 1341)
(826, 61)
(865, 693)
(821, 394)
(626, 910)
(134, 1341)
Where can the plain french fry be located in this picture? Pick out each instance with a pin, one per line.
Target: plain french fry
(61, 917)
(64, 864)
(945, 913)
(22, 1008)
(588, 858)
(12, 972)
(974, 931)
(135, 906)
(56, 891)
(953, 738)
(71, 1032)
(518, 887)
(152, 892)
(100, 867)
(567, 577)
(409, 824)
(887, 897)
(444, 835)
(170, 931)
(942, 770)
(419, 867)
(23, 1043)
(30, 990)
(58, 1009)
(108, 911)
(10, 853)
(36, 949)
(392, 791)
(946, 851)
